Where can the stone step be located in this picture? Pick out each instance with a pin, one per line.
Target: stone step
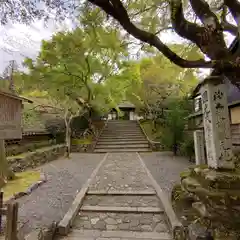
(121, 146)
(84, 234)
(129, 201)
(119, 142)
(122, 193)
(122, 122)
(122, 133)
(104, 150)
(115, 140)
(122, 125)
(113, 209)
(127, 125)
(130, 130)
(121, 221)
(123, 137)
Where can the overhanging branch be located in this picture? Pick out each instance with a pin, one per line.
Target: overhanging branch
(204, 13)
(116, 9)
(234, 8)
(83, 78)
(227, 26)
(183, 27)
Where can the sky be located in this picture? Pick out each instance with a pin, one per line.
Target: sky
(18, 41)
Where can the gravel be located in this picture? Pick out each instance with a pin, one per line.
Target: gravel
(51, 201)
(165, 168)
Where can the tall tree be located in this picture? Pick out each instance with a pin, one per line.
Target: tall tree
(152, 81)
(72, 68)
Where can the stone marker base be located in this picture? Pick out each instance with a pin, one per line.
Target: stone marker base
(210, 198)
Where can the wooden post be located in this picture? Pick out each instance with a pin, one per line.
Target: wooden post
(3, 161)
(15, 221)
(199, 147)
(1, 205)
(12, 219)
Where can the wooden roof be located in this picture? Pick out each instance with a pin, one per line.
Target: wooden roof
(233, 92)
(126, 105)
(12, 95)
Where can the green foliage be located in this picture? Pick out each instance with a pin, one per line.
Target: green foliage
(174, 123)
(31, 118)
(79, 124)
(77, 141)
(57, 128)
(187, 146)
(72, 66)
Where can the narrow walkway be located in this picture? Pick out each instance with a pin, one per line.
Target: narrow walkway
(121, 204)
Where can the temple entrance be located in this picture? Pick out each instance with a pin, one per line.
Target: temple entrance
(127, 112)
(126, 115)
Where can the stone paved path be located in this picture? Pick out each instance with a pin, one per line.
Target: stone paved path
(121, 204)
(50, 201)
(166, 168)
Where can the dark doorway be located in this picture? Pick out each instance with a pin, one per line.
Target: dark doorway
(126, 115)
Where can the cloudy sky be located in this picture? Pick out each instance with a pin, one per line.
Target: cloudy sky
(18, 41)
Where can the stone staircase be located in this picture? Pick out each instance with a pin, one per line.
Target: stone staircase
(118, 203)
(122, 136)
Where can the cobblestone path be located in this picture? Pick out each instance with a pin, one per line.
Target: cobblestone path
(121, 204)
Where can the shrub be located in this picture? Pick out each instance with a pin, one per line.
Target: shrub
(56, 127)
(187, 147)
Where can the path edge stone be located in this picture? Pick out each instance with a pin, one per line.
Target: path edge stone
(65, 224)
(173, 221)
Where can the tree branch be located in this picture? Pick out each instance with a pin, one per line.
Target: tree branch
(88, 67)
(117, 11)
(84, 80)
(183, 27)
(227, 26)
(144, 10)
(204, 13)
(234, 7)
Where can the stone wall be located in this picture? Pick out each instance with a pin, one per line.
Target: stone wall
(88, 145)
(81, 147)
(16, 149)
(34, 159)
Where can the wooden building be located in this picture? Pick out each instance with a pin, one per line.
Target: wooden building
(11, 106)
(195, 120)
(124, 111)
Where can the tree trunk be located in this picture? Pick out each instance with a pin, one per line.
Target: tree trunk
(175, 146)
(3, 162)
(68, 138)
(68, 133)
(5, 172)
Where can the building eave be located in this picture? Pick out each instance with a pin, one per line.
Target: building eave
(17, 97)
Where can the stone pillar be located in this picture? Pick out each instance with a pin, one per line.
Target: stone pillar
(199, 147)
(216, 124)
